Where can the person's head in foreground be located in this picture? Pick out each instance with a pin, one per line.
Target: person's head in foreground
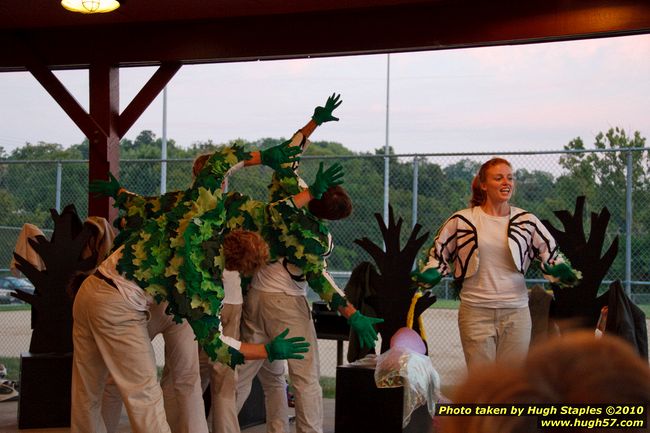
(574, 368)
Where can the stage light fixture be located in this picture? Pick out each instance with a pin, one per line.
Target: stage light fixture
(90, 6)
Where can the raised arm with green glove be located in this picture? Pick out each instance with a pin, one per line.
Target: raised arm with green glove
(324, 114)
(276, 156)
(108, 187)
(286, 348)
(365, 329)
(325, 179)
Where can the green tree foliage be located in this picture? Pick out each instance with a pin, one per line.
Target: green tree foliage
(602, 177)
(27, 190)
(31, 184)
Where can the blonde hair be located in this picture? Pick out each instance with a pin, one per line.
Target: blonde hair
(478, 195)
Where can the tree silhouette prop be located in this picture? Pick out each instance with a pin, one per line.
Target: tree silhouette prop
(52, 299)
(390, 287)
(581, 303)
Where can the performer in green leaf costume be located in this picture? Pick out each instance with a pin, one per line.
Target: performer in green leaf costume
(297, 237)
(277, 299)
(110, 309)
(173, 245)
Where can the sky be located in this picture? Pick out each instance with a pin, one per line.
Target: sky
(507, 98)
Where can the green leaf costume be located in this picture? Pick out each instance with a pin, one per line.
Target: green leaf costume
(173, 244)
(298, 235)
(172, 249)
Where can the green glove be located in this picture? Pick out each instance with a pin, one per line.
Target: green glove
(563, 271)
(428, 278)
(276, 156)
(108, 187)
(325, 179)
(324, 114)
(286, 348)
(364, 327)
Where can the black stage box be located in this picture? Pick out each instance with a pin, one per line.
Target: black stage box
(362, 407)
(45, 390)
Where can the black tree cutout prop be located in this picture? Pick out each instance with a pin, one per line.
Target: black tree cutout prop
(390, 283)
(52, 299)
(581, 303)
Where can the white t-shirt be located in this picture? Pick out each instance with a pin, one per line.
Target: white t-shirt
(497, 283)
(276, 277)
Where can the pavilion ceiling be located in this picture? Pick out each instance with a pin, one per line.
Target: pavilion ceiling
(201, 31)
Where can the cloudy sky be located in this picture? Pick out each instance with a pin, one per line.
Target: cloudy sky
(526, 97)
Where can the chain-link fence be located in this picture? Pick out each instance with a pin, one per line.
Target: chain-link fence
(422, 188)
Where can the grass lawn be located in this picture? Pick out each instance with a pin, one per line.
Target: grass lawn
(13, 367)
(446, 304)
(15, 307)
(329, 386)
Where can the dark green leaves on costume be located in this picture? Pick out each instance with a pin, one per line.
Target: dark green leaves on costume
(175, 252)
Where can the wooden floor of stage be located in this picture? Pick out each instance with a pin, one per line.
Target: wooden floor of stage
(9, 421)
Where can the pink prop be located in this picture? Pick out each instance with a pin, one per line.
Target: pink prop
(409, 339)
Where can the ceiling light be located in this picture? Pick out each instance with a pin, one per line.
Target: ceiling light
(90, 6)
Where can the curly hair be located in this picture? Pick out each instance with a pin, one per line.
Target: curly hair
(335, 204)
(478, 195)
(245, 251)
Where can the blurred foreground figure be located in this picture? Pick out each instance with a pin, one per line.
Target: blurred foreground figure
(576, 368)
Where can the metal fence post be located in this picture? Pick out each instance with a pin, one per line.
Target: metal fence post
(416, 167)
(163, 150)
(57, 196)
(387, 147)
(628, 225)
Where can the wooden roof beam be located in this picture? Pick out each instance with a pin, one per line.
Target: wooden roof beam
(147, 94)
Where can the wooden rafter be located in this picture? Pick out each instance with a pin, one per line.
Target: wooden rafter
(66, 101)
(147, 94)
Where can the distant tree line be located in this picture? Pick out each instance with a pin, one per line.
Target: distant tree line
(27, 190)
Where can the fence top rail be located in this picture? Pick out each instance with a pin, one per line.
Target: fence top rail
(511, 152)
(357, 156)
(20, 228)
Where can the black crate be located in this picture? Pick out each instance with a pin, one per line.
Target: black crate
(362, 407)
(45, 390)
